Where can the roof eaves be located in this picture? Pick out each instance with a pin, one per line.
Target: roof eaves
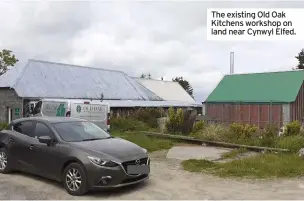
(248, 102)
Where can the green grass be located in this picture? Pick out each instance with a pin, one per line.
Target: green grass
(267, 165)
(149, 143)
(233, 153)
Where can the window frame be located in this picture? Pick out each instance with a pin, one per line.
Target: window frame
(21, 122)
(48, 127)
(33, 130)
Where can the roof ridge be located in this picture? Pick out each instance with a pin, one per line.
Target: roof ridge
(153, 79)
(284, 71)
(78, 66)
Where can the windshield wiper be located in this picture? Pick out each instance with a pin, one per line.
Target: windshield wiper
(91, 139)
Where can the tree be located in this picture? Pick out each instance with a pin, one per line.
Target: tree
(185, 84)
(300, 59)
(145, 76)
(6, 59)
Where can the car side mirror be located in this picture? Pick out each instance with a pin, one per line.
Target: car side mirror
(45, 139)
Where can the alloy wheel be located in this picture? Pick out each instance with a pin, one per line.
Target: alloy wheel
(3, 160)
(73, 179)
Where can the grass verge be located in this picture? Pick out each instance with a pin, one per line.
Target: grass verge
(268, 165)
(233, 153)
(149, 143)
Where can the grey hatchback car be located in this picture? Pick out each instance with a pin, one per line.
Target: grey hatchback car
(75, 152)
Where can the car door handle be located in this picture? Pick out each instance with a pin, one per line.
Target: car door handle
(31, 147)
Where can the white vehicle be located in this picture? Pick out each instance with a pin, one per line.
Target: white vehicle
(91, 110)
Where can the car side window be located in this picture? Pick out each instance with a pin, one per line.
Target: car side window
(42, 130)
(25, 128)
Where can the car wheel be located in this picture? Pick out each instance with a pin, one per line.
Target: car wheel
(4, 168)
(74, 179)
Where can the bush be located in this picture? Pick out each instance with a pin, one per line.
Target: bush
(293, 143)
(243, 131)
(3, 125)
(213, 132)
(128, 124)
(148, 115)
(268, 137)
(293, 128)
(176, 119)
(270, 131)
(198, 126)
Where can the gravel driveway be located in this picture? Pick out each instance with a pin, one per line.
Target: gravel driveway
(167, 181)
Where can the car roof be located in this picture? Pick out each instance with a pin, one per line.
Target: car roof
(49, 119)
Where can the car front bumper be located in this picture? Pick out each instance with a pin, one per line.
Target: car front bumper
(111, 177)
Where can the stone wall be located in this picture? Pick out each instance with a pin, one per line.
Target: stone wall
(9, 99)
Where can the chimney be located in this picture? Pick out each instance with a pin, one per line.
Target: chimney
(231, 62)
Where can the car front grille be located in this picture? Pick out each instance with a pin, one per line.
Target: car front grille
(142, 161)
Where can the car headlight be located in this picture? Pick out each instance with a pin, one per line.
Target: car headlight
(100, 162)
(145, 150)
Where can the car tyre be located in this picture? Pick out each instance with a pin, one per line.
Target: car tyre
(4, 166)
(74, 179)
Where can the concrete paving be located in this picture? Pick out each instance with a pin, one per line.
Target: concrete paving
(196, 152)
(168, 181)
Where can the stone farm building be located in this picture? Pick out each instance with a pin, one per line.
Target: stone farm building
(258, 98)
(43, 79)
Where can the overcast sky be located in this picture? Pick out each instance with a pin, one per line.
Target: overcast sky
(164, 38)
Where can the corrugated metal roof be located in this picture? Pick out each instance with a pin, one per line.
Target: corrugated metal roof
(275, 87)
(56, 80)
(167, 90)
(9, 78)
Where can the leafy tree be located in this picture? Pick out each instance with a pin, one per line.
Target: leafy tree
(6, 59)
(185, 84)
(300, 59)
(145, 76)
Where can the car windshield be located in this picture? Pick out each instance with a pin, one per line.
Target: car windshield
(80, 131)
